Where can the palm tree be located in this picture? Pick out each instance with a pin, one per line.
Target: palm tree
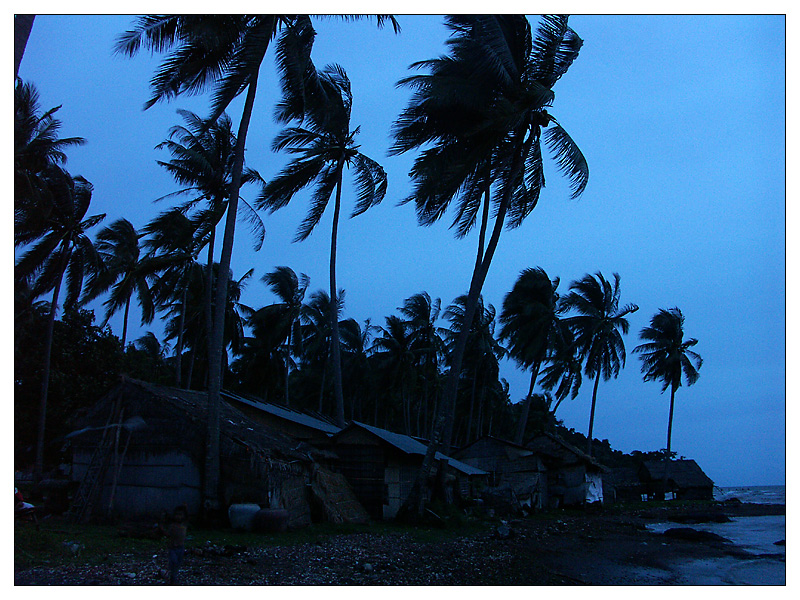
(482, 109)
(529, 320)
(36, 147)
(356, 363)
(224, 52)
(421, 313)
(315, 341)
(65, 250)
(290, 290)
(563, 370)
(324, 149)
(171, 238)
(666, 357)
(481, 359)
(598, 328)
(123, 271)
(393, 351)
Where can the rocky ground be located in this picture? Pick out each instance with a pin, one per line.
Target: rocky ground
(604, 548)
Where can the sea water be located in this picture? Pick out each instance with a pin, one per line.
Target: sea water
(755, 535)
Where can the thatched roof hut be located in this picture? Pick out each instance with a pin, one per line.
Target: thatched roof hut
(159, 464)
(683, 477)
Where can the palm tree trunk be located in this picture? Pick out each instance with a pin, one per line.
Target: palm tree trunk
(288, 359)
(669, 425)
(125, 322)
(413, 507)
(484, 226)
(22, 31)
(179, 346)
(335, 350)
(591, 414)
(212, 473)
(48, 347)
(523, 419)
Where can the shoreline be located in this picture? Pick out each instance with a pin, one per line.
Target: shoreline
(610, 546)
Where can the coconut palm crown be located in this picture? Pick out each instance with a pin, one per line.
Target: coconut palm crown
(666, 357)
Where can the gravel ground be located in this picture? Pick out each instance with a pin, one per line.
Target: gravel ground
(599, 549)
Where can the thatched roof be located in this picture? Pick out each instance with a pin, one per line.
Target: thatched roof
(176, 418)
(552, 446)
(684, 473)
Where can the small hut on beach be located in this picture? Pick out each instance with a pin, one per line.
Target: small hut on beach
(381, 466)
(573, 477)
(511, 467)
(683, 478)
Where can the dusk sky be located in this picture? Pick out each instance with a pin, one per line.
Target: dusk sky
(682, 121)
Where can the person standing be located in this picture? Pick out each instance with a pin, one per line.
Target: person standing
(176, 538)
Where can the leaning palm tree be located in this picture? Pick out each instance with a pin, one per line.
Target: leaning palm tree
(324, 148)
(290, 290)
(562, 372)
(122, 271)
(224, 52)
(530, 320)
(482, 109)
(666, 357)
(65, 250)
(598, 327)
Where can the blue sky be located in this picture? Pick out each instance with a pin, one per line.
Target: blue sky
(682, 121)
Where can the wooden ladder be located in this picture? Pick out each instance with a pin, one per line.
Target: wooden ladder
(87, 493)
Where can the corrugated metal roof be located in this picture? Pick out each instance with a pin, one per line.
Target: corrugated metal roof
(285, 413)
(409, 445)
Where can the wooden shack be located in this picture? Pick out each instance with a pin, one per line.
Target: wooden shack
(573, 477)
(381, 466)
(158, 464)
(509, 465)
(681, 479)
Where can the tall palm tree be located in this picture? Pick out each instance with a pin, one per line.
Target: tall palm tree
(666, 357)
(482, 109)
(65, 250)
(36, 147)
(123, 270)
(290, 290)
(171, 237)
(324, 148)
(530, 320)
(598, 326)
(224, 52)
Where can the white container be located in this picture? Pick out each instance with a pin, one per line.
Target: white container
(241, 516)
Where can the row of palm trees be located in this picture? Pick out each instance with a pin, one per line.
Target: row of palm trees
(478, 114)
